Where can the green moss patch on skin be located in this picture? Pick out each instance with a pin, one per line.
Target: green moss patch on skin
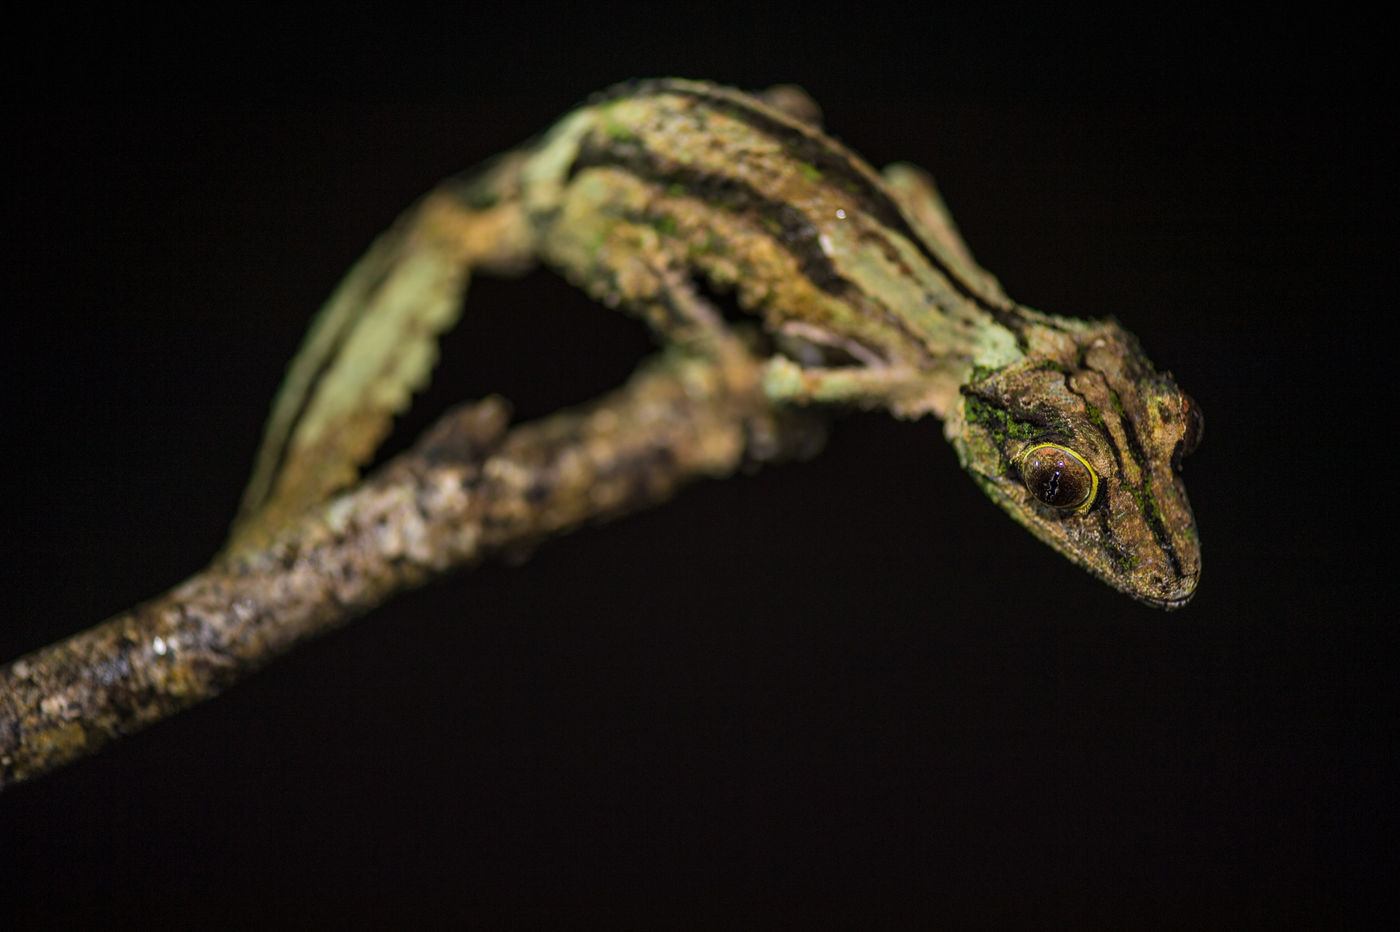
(998, 422)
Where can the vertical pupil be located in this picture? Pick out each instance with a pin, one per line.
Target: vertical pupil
(1057, 477)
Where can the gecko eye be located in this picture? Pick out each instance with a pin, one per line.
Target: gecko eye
(1059, 477)
(1195, 424)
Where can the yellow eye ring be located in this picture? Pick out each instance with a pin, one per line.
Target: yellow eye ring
(1059, 477)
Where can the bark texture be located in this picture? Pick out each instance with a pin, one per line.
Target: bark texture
(471, 488)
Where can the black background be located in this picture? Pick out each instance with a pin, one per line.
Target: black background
(848, 690)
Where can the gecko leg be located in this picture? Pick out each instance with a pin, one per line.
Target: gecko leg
(915, 191)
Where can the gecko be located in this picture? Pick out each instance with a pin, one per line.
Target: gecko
(658, 195)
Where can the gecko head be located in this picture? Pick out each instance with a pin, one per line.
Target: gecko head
(1084, 448)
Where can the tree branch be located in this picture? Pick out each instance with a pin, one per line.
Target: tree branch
(468, 490)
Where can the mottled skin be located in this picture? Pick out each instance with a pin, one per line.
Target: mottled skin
(872, 298)
(649, 197)
(659, 192)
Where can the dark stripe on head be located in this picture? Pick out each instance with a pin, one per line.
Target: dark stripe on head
(1135, 450)
(1107, 541)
